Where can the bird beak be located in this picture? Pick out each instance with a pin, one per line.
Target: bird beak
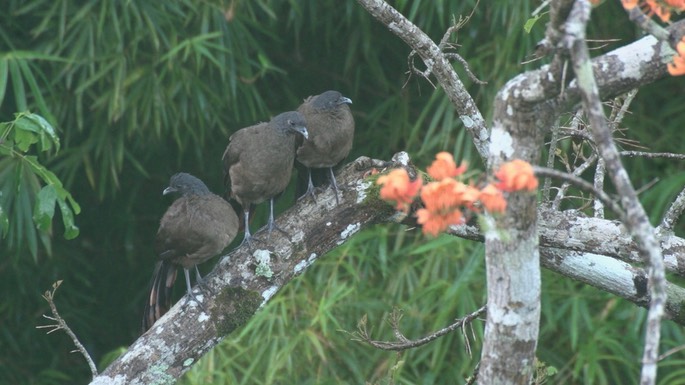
(303, 130)
(168, 190)
(344, 100)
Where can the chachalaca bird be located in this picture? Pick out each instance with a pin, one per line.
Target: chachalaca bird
(259, 160)
(197, 226)
(331, 131)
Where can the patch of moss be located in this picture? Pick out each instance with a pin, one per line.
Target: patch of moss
(373, 199)
(235, 308)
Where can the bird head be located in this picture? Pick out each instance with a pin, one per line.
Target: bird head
(330, 100)
(292, 121)
(185, 183)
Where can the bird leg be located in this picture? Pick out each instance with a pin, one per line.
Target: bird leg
(272, 225)
(310, 188)
(190, 290)
(334, 184)
(248, 237)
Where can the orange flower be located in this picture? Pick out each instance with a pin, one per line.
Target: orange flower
(443, 201)
(678, 66)
(434, 223)
(676, 4)
(492, 199)
(629, 4)
(398, 188)
(516, 175)
(444, 167)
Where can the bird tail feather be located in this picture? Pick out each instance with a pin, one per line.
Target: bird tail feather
(159, 300)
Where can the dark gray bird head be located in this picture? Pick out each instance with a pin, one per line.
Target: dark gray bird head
(291, 121)
(185, 183)
(330, 100)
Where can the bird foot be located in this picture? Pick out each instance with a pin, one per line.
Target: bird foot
(311, 193)
(191, 296)
(248, 240)
(272, 226)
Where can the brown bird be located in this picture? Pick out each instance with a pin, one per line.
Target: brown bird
(259, 160)
(196, 227)
(331, 130)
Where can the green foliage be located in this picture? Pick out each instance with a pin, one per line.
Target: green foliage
(21, 177)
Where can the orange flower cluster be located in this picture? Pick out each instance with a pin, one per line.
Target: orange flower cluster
(444, 199)
(515, 176)
(398, 188)
(678, 66)
(661, 8)
(445, 167)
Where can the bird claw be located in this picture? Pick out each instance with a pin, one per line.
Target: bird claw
(191, 296)
(248, 241)
(311, 193)
(272, 227)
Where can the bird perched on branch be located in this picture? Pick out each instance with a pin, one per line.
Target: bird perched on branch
(331, 131)
(196, 227)
(259, 160)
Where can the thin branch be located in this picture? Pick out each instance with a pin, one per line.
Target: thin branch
(474, 377)
(61, 324)
(581, 184)
(551, 154)
(636, 218)
(576, 174)
(644, 154)
(673, 213)
(403, 343)
(600, 171)
(648, 25)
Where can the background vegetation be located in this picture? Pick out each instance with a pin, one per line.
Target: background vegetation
(139, 90)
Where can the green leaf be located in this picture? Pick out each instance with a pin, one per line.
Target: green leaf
(44, 208)
(4, 221)
(23, 139)
(18, 85)
(48, 135)
(3, 79)
(528, 26)
(27, 123)
(71, 231)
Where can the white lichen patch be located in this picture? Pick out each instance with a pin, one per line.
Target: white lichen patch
(501, 142)
(263, 259)
(303, 264)
(468, 122)
(401, 157)
(188, 362)
(328, 223)
(268, 293)
(202, 317)
(634, 55)
(362, 187)
(297, 237)
(350, 230)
